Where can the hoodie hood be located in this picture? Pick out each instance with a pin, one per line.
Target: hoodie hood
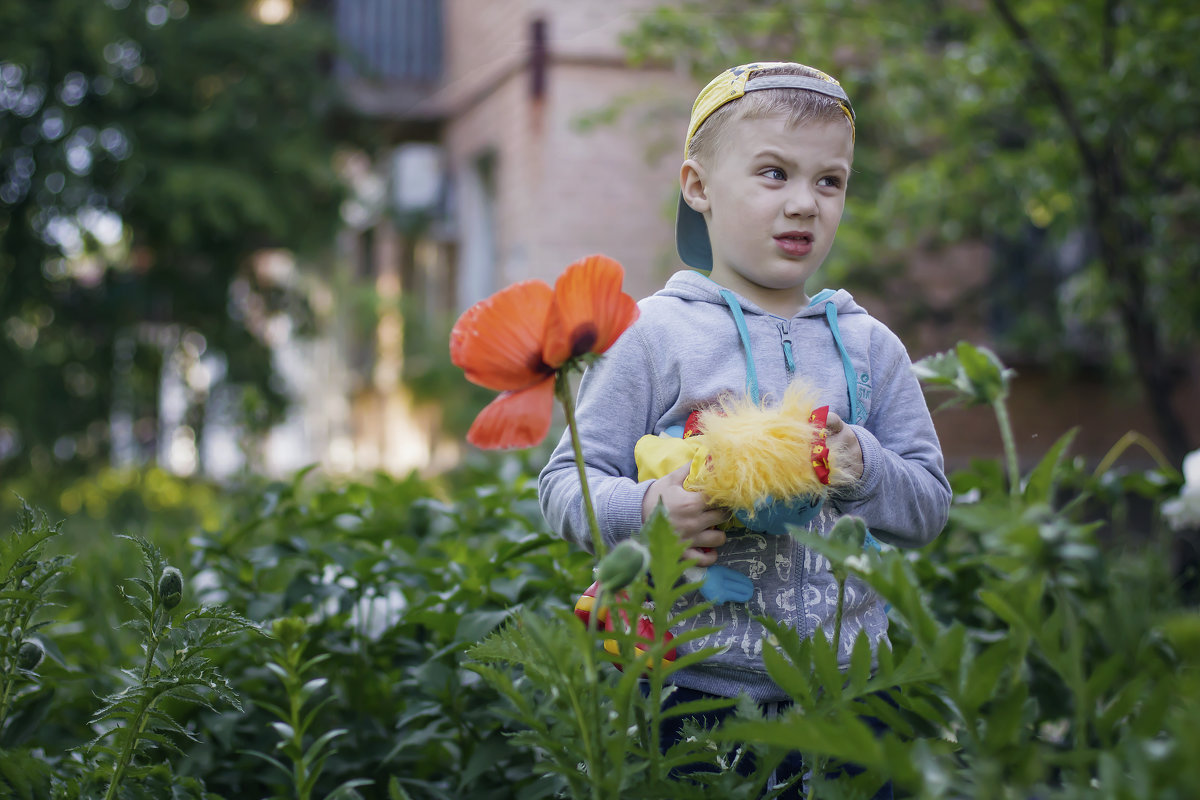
(692, 285)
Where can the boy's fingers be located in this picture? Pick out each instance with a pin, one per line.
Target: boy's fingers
(703, 558)
(712, 517)
(678, 476)
(708, 538)
(834, 423)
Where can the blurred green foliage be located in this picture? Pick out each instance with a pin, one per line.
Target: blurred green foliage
(1032, 648)
(393, 580)
(413, 638)
(1062, 134)
(147, 150)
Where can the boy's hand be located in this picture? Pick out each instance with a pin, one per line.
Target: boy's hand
(688, 513)
(841, 437)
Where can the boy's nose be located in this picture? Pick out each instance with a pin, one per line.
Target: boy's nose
(801, 202)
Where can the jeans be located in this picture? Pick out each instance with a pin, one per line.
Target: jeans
(792, 764)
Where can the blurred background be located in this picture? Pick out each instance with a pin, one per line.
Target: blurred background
(234, 233)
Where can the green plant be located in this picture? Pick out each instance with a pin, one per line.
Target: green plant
(1027, 660)
(293, 723)
(975, 376)
(396, 578)
(595, 730)
(27, 588)
(177, 667)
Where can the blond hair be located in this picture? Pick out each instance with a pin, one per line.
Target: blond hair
(797, 106)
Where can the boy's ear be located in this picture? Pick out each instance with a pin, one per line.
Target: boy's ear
(691, 186)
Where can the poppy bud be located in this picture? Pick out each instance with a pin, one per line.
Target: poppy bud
(289, 630)
(30, 654)
(851, 530)
(170, 588)
(623, 565)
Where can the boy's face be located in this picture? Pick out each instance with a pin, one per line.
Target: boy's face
(772, 196)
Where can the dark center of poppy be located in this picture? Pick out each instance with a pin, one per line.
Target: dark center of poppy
(539, 367)
(583, 339)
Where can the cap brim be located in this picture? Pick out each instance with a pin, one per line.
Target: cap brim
(691, 238)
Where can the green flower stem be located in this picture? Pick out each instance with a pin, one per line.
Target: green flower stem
(837, 622)
(10, 680)
(1010, 447)
(300, 773)
(10, 676)
(134, 734)
(1073, 672)
(160, 617)
(562, 388)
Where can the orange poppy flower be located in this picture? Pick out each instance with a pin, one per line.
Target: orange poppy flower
(517, 340)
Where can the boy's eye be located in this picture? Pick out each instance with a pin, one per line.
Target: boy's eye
(774, 173)
(830, 180)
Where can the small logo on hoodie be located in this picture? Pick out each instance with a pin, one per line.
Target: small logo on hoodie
(863, 393)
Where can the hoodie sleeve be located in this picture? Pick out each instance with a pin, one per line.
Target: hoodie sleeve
(904, 496)
(618, 402)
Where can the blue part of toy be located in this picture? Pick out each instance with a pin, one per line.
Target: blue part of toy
(675, 431)
(871, 543)
(773, 516)
(724, 585)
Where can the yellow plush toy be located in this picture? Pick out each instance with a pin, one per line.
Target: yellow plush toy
(773, 467)
(745, 456)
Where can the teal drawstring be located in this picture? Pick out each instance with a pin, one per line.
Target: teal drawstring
(739, 319)
(735, 308)
(856, 415)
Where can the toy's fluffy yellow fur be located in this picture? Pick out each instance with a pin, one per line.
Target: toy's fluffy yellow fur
(750, 453)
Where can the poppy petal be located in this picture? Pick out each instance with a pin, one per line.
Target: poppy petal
(515, 419)
(589, 310)
(498, 341)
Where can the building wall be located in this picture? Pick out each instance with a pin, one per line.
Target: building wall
(563, 190)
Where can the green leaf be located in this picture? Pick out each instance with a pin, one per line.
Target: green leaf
(1005, 716)
(475, 625)
(1039, 489)
(986, 376)
(345, 789)
(846, 738)
(396, 791)
(982, 676)
(285, 731)
(321, 743)
(860, 664)
(825, 666)
(697, 707)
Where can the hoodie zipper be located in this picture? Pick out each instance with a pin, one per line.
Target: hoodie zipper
(785, 340)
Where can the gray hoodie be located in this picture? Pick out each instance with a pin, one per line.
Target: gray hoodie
(684, 352)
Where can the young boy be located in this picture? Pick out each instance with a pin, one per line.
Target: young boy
(768, 156)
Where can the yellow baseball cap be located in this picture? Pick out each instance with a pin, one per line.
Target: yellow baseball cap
(691, 232)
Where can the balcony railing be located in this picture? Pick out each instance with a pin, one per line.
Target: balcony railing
(390, 40)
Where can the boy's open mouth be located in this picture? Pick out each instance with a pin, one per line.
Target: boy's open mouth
(795, 242)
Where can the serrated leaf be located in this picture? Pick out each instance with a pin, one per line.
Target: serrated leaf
(794, 680)
(697, 707)
(860, 663)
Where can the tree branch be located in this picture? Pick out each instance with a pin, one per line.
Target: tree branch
(1108, 35)
(1044, 74)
